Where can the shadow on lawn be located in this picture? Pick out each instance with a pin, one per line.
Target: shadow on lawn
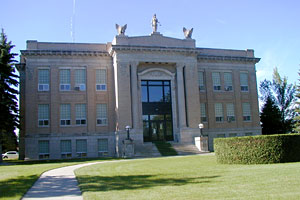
(107, 183)
(16, 186)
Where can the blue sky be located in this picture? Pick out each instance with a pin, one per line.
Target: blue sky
(271, 28)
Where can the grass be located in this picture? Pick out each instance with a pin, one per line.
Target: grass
(165, 149)
(16, 177)
(189, 177)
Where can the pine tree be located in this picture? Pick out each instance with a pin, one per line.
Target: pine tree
(9, 116)
(297, 110)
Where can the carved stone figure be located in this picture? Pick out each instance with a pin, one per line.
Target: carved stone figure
(154, 23)
(187, 33)
(121, 29)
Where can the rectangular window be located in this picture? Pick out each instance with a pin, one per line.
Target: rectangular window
(232, 134)
(81, 148)
(43, 115)
(66, 148)
(101, 79)
(228, 81)
(219, 112)
(248, 134)
(101, 114)
(246, 112)
(102, 147)
(221, 135)
(230, 112)
(203, 112)
(64, 80)
(44, 149)
(43, 80)
(244, 81)
(80, 79)
(201, 80)
(216, 81)
(80, 114)
(65, 114)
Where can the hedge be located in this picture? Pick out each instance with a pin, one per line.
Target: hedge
(262, 149)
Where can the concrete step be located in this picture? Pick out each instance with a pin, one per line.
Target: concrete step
(186, 149)
(146, 150)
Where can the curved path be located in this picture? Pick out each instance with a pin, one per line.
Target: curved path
(60, 183)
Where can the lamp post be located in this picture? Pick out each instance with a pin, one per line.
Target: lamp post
(128, 129)
(201, 126)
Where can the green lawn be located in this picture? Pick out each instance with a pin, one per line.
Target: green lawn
(189, 177)
(19, 176)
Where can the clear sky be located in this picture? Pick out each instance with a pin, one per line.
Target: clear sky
(270, 27)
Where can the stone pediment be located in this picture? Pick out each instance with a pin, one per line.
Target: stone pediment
(154, 40)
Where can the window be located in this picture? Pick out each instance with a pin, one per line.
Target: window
(66, 148)
(43, 115)
(246, 112)
(222, 135)
(230, 112)
(64, 80)
(219, 112)
(65, 114)
(248, 134)
(216, 80)
(80, 114)
(201, 80)
(101, 79)
(101, 114)
(228, 81)
(44, 149)
(81, 148)
(203, 112)
(244, 81)
(43, 80)
(80, 79)
(102, 147)
(232, 134)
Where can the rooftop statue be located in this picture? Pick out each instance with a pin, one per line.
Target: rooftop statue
(121, 29)
(154, 23)
(187, 33)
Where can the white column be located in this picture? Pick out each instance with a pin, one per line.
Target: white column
(134, 93)
(180, 92)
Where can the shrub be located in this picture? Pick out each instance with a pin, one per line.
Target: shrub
(262, 149)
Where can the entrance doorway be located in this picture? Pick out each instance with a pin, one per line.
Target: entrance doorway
(157, 110)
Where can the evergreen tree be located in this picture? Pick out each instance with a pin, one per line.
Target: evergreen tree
(283, 95)
(270, 118)
(9, 117)
(297, 110)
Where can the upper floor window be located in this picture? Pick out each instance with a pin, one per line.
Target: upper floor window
(201, 80)
(244, 81)
(80, 114)
(246, 111)
(203, 112)
(64, 80)
(43, 115)
(101, 114)
(230, 112)
(43, 80)
(228, 81)
(65, 114)
(101, 79)
(80, 79)
(219, 112)
(216, 81)
(156, 91)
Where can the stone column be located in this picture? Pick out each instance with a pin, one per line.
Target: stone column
(134, 95)
(180, 95)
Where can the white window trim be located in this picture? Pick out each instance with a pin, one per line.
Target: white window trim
(43, 120)
(60, 87)
(80, 87)
(104, 118)
(45, 87)
(80, 122)
(100, 87)
(65, 123)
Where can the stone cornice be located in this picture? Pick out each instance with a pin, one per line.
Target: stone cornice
(151, 49)
(228, 58)
(62, 53)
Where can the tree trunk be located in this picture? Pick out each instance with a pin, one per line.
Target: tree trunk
(0, 152)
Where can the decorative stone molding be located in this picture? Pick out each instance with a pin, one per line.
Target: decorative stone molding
(62, 53)
(228, 58)
(155, 73)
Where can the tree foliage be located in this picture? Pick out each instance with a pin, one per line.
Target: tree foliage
(297, 109)
(282, 95)
(9, 116)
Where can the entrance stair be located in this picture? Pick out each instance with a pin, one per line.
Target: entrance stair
(186, 149)
(146, 150)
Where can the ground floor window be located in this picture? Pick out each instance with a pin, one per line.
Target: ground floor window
(102, 147)
(81, 148)
(66, 148)
(44, 149)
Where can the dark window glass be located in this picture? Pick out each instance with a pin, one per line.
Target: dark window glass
(156, 117)
(167, 94)
(144, 94)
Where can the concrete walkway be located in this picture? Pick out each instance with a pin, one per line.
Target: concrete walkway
(59, 183)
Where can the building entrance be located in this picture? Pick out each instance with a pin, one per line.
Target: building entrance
(157, 110)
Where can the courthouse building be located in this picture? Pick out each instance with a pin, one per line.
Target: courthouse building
(76, 99)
